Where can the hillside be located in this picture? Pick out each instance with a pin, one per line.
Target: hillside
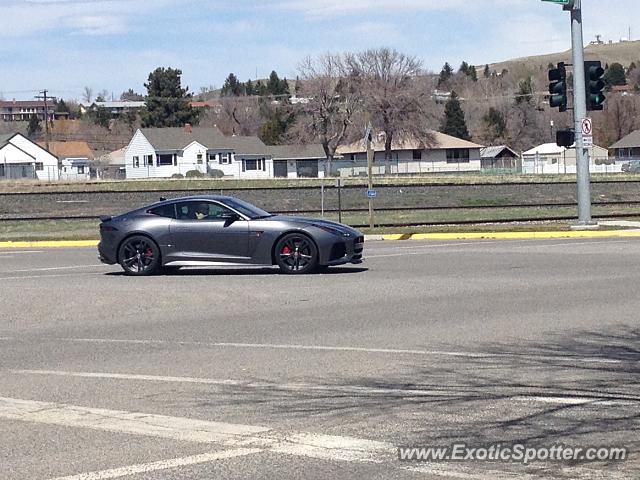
(622, 52)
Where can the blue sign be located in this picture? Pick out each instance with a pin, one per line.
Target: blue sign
(371, 194)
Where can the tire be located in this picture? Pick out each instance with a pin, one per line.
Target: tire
(139, 256)
(296, 254)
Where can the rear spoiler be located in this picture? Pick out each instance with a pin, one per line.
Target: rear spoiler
(106, 218)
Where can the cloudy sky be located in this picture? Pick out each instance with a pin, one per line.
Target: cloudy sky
(65, 45)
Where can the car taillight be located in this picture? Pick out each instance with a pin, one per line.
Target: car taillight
(108, 228)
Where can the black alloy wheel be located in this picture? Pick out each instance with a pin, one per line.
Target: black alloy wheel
(139, 256)
(296, 253)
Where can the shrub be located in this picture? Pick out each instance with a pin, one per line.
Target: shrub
(216, 173)
(177, 175)
(194, 174)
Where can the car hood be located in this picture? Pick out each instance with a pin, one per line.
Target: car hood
(317, 222)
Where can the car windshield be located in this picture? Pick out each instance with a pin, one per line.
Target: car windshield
(246, 209)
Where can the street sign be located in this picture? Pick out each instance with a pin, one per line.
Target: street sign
(371, 194)
(587, 132)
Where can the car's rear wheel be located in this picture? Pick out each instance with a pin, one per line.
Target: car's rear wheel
(139, 256)
(296, 253)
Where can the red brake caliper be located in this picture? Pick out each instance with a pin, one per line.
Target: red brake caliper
(148, 253)
(286, 250)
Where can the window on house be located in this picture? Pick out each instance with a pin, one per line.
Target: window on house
(136, 162)
(165, 160)
(212, 157)
(148, 160)
(458, 155)
(417, 154)
(225, 158)
(39, 166)
(2, 174)
(199, 159)
(81, 170)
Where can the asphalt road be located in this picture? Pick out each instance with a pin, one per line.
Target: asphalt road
(246, 373)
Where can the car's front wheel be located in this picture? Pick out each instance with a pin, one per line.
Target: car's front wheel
(139, 256)
(296, 253)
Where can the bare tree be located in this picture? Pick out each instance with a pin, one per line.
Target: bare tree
(391, 95)
(237, 116)
(87, 95)
(619, 118)
(331, 98)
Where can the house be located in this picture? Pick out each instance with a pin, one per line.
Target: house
(165, 152)
(112, 165)
(628, 147)
(115, 108)
(74, 157)
(296, 161)
(498, 157)
(22, 110)
(549, 158)
(445, 154)
(20, 158)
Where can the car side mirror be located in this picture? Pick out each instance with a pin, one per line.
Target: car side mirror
(230, 217)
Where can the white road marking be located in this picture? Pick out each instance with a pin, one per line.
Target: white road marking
(392, 351)
(281, 347)
(162, 465)
(22, 277)
(47, 269)
(21, 252)
(603, 400)
(173, 428)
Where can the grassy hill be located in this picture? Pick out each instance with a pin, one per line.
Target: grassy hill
(621, 52)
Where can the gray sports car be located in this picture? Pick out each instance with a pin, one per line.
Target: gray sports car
(217, 230)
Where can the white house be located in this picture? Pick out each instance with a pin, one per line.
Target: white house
(20, 158)
(74, 158)
(164, 152)
(549, 159)
(444, 154)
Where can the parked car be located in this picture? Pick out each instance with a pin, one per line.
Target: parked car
(632, 167)
(214, 230)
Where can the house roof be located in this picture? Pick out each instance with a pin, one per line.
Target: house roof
(120, 104)
(176, 138)
(23, 103)
(115, 158)
(286, 152)
(494, 151)
(73, 149)
(167, 139)
(441, 142)
(630, 141)
(545, 149)
(4, 139)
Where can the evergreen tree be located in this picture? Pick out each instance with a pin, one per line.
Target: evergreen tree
(61, 107)
(231, 87)
(464, 68)
(473, 74)
(487, 72)
(275, 86)
(445, 75)
(495, 125)
(454, 123)
(272, 131)
(167, 103)
(249, 89)
(284, 88)
(100, 116)
(525, 91)
(615, 75)
(34, 128)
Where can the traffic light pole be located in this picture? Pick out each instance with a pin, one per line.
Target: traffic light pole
(580, 112)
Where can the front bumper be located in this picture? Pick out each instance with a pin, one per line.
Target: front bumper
(346, 251)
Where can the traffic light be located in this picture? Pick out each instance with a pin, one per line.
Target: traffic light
(558, 87)
(594, 83)
(565, 138)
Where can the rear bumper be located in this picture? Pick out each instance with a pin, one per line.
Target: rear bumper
(105, 256)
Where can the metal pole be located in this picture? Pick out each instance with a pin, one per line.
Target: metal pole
(370, 154)
(339, 200)
(580, 112)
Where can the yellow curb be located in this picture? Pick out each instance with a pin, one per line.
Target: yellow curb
(515, 235)
(50, 244)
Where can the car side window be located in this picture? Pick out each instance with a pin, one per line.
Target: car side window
(195, 210)
(167, 211)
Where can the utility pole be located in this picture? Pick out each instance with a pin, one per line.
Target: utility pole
(43, 96)
(579, 113)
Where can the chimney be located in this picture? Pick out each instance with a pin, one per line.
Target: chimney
(187, 129)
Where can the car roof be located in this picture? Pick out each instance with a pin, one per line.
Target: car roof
(219, 198)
